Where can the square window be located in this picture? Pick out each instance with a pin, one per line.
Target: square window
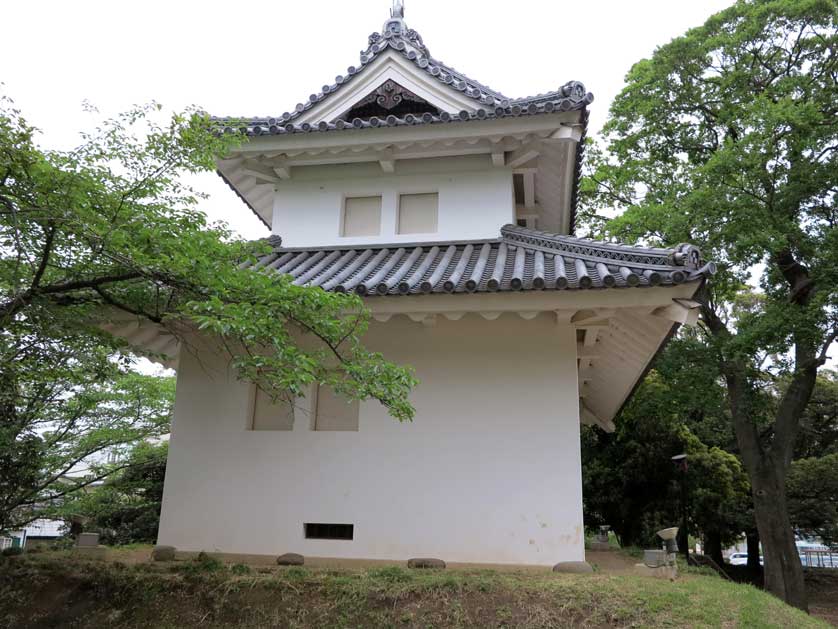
(270, 415)
(335, 412)
(361, 216)
(418, 213)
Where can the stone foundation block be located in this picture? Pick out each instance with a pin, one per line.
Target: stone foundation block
(573, 567)
(426, 563)
(290, 559)
(163, 553)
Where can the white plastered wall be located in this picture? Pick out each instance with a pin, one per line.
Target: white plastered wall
(489, 471)
(475, 200)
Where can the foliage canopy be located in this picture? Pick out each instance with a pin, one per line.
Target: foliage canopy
(727, 137)
(108, 232)
(125, 508)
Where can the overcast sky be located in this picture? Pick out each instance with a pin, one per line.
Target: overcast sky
(261, 58)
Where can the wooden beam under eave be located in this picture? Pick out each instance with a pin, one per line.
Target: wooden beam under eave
(361, 156)
(283, 171)
(429, 321)
(258, 175)
(521, 156)
(587, 416)
(568, 133)
(261, 192)
(258, 171)
(587, 317)
(388, 165)
(498, 159)
(387, 160)
(529, 190)
(585, 351)
(679, 312)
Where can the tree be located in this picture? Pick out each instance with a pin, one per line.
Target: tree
(75, 419)
(813, 497)
(627, 476)
(110, 227)
(125, 508)
(728, 138)
(694, 389)
(108, 230)
(631, 484)
(819, 425)
(719, 498)
(697, 392)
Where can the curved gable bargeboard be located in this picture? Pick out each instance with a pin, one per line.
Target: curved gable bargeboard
(389, 66)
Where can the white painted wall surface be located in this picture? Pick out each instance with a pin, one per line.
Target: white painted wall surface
(475, 200)
(489, 471)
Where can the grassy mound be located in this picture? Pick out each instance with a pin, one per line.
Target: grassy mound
(48, 591)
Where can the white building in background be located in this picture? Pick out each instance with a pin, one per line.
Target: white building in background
(450, 208)
(41, 531)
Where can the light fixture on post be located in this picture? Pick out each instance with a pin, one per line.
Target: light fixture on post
(680, 461)
(660, 562)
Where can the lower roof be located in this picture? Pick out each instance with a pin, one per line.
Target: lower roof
(519, 260)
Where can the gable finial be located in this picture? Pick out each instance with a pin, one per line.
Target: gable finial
(395, 25)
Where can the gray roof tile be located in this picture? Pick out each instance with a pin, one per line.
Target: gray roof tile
(521, 259)
(490, 104)
(407, 42)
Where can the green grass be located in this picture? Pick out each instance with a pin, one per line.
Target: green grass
(46, 590)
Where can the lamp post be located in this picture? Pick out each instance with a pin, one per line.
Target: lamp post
(680, 461)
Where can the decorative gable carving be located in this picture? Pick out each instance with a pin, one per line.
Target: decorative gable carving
(389, 98)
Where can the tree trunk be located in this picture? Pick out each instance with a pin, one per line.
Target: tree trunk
(713, 547)
(752, 540)
(683, 541)
(767, 466)
(783, 571)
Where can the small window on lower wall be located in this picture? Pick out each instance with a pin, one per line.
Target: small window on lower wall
(270, 415)
(335, 412)
(317, 530)
(418, 213)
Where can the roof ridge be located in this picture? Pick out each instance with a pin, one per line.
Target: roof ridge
(408, 42)
(683, 255)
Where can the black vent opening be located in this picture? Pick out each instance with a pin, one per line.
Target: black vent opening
(318, 530)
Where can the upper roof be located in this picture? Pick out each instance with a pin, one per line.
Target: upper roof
(406, 42)
(521, 259)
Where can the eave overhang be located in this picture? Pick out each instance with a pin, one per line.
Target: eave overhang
(399, 54)
(623, 302)
(536, 141)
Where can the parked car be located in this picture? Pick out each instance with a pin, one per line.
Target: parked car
(740, 559)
